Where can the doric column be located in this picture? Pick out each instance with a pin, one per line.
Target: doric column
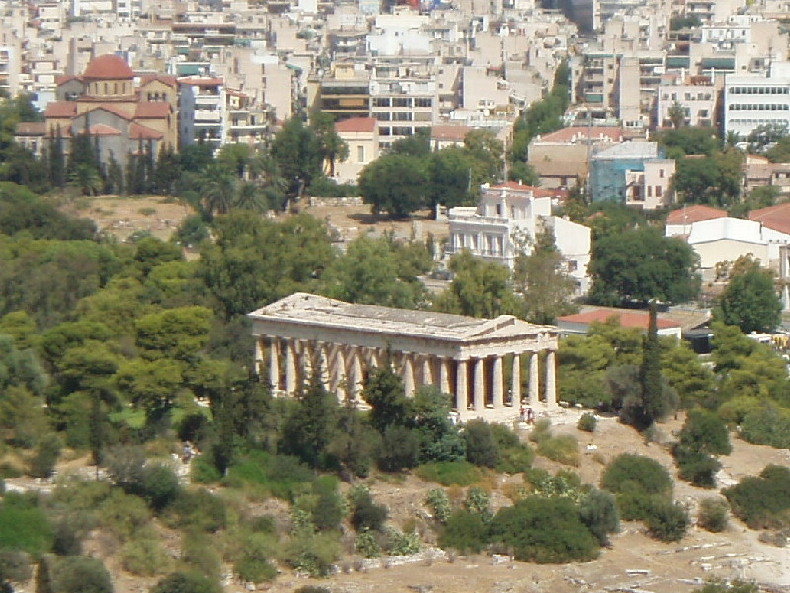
(303, 362)
(461, 387)
(323, 364)
(290, 367)
(274, 364)
(258, 364)
(479, 385)
(515, 383)
(427, 370)
(534, 386)
(551, 388)
(408, 375)
(444, 375)
(355, 373)
(497, 396)
(339, 372)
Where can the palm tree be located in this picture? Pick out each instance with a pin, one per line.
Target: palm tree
(218, 186)
(249, 197)
(86, 178)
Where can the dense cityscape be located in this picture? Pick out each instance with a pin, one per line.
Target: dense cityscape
(390, 296)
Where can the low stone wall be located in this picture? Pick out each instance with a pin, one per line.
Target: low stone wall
(327, 201)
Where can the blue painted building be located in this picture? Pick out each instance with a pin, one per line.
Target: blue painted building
(631, 173)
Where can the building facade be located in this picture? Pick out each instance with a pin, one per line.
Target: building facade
(304, 334)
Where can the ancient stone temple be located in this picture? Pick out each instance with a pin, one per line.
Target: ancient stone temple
(478, 361)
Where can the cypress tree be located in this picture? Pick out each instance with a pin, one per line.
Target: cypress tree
(57, 166)
(650, 372)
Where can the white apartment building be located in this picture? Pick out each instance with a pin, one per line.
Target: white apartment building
(403, 107)
(508, 217)
(755, 100)
(696, 94)
(202, 110)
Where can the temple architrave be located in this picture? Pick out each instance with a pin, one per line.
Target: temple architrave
(466, 357)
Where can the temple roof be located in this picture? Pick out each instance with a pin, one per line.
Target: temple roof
(108, 67)
(314, 310)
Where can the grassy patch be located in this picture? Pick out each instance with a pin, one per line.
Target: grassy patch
(447, 473)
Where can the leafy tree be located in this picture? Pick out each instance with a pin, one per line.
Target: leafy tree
(384, 392)
(598, 511)
(311, 426)
(364, 513)
(82, 574)
(464, 531)
(478, 289)
(439, 438)
(23, 211)
(486, 151)
(539, 275)
(481, 445)
(298, 155)
(451, 182)
(641, 265)
(668, 521)
(373, 271)
(750, 300)
(355, 443)
(186, 582)
(689, 140)
(418, 145)
(761, 501)
(330, 146)
(544, 530)
(677, 115)
(712, 514)
(218, 187)
(686, 374)
(704, 431)
(395, 184)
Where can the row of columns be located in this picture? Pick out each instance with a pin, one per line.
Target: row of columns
(477, 382)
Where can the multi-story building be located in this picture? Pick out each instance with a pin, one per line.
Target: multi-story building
(201, 110)
(632, 173)
(696, 95)
(506, 221)
(757, 100)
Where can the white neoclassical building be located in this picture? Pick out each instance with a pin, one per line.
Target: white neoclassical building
(507, 218)
(477, 361)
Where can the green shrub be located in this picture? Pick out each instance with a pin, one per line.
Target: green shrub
(329, 507)
(563, 449)
(696, 466)
(198, 509)
(186, 582)
(144, 557)
(481, 445)
(465, 532)
(367, 545)
(199, 551)
(80, 574)
(159, 485)
(255, 564)
(124, 514)
(587, 422)
(312, 553)
(540, 430)
(767, 425)
(544, 530)
(515, 460)
(628, 472)
(203, 471)
(365, 514)
(447, 473)
(43, 463)
(283, 475)
(439, 503)
(14, 567)
(478, 501)
(400, 449)
(23, 527)
(667, 521)
(397, 543)
(712, 515)
(705, 431)
(598, 511)
(762, 502)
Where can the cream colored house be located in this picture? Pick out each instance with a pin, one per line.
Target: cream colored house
(361, 136)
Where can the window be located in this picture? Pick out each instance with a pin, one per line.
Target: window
(661, 173)
(401, 102)
(659, 191)
(360, 154)
(649, 191)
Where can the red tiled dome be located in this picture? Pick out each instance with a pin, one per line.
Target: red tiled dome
(108, 67)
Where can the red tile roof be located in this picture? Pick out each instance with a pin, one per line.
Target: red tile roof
(112, 109)
(538, 192)
(152, 110)
(108, 67)
(58, 109)
(59, 80)
(31, 128)
(201, 81)
(457, 133)
(139, 132)
(774, 217)
(695, 213)
(103, 130)
(639, 319)
(582, 133)
(356, 124)
(163, 78)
